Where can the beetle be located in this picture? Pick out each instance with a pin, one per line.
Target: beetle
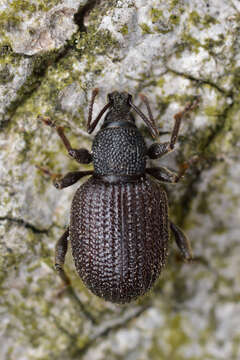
(119, 225)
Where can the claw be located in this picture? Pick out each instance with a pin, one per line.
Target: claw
(54, 177)
(46, 121)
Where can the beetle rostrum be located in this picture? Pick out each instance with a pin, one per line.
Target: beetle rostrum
(119, 225)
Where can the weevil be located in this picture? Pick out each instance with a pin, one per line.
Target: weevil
(119, 224)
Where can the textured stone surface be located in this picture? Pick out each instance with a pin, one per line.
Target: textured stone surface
(51, 57)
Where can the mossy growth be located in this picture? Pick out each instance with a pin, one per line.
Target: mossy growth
(13, 16)
(161, 82)
(145, 28)
(212, 111)
(210, 44)
(164, 24)
(236, 78)
(8, 57)
(9, 21)
(5, 75)
(209, 20)
(174, 4)
(95, 41)
(194, 18)
(5, 50)
(22, 5)
(156, 15)
(27, 6)
(193, 43)
(124, 30)
(39, 67)
(174, 19)
(206, 21)
(174, 339)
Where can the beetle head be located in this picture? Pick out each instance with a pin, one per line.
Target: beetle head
(120, 102)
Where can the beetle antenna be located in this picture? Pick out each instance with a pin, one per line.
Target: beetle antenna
(150, 125)
(92, 126)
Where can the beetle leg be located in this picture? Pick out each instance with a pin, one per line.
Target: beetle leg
(182, 242)
(178, 118)
(60, 253)
(69, 179)
(165, 175)
(82, 155)
(156, 150)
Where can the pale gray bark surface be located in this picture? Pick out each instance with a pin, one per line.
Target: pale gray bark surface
(52, 56)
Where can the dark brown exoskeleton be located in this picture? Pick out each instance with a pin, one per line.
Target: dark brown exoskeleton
(119, 225)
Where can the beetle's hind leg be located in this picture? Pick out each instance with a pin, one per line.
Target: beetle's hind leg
(61, 182)
(82, 155)
(60, 253)
(182, 242)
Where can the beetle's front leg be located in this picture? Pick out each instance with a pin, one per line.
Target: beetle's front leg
(82, 155)
(182, 242)
(158, 150)
(61, 182)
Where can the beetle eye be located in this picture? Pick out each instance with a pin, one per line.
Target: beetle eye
(110, 97)
(129, 98)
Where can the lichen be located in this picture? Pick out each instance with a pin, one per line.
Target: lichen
(194, 18)
(191, 42)
(145, 28)
(124, 30)
(209, 20)
(174, 19)
(20, 6)
(5, 75)
(156, 14)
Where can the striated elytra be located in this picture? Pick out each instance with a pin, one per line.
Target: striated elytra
(119, 226)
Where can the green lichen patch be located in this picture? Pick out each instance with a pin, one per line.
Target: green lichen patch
(174, 4)
(164, 22)
(145, 28)
(194, 18)
(202, 21)
(9, 21)
(209, 20)
(167, 343)
(236, 79)
(124, 30)
(156, 15)
(174, 19)
(5, 75)
(161, 81)
(95, 42)
(25, 6)
(191, 42)
(210, 44)
(22, 6)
